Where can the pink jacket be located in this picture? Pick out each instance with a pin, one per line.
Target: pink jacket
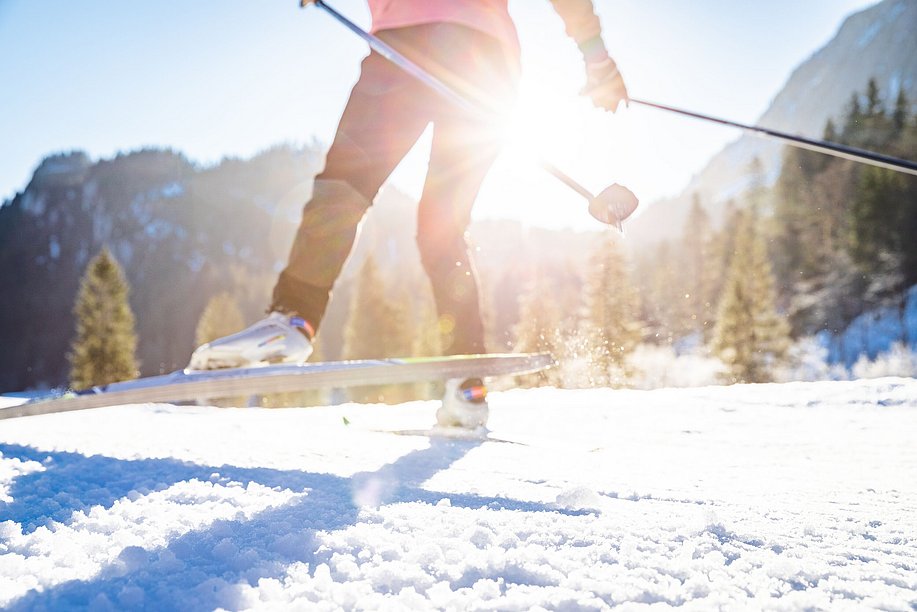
(488, 16)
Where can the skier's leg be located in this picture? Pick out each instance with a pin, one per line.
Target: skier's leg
(386, 113)
(458, 164)
(463, 150)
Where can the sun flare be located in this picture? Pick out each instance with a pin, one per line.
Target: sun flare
(551, 122)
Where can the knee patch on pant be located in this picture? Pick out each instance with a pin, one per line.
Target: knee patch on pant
(327, 232)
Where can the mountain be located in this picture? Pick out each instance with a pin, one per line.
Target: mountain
(184, 233)
(878, 42)
(181, 232)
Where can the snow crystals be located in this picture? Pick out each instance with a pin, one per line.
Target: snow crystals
(790, 496)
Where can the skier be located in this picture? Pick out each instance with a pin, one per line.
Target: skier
(472, 46)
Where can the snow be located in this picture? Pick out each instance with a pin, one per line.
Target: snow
(172, 190)
(899, 361)
(876, 332)
(786, 496)
(656, 367)
(869, 35)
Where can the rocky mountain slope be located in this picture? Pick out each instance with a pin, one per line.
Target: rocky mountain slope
(878, 42)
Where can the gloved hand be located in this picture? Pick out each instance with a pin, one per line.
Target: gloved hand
(605, 85)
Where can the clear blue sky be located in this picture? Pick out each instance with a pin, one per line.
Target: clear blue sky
(234, 77)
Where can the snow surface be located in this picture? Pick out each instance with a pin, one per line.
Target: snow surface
(793, 496)
(875, 332)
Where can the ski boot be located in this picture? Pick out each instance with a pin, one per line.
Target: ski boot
(464, 405)
(279, 338)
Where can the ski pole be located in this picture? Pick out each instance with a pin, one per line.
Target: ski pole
(611, 206)
(811, 144)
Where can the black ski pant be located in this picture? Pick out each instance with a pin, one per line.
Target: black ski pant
(387, 112)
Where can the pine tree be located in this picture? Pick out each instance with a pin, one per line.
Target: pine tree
(427, 337)
(698, 274)
(830, 133)
(539, 329)
(879, 233)
(105, 345)
(612, 305)
(750, 336)
(844, 231)
(907, 204)
(883, 213)
(663, 305)
(854, 114)
(722, 251)
(221, 317)
(806, 224)
(900, 113)
(873, 99)
(376, 328)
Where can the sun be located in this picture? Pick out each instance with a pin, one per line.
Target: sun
(551, 123)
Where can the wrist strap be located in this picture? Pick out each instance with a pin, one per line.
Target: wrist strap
(607, 69)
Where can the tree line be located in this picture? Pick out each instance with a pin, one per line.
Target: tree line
(844, 233)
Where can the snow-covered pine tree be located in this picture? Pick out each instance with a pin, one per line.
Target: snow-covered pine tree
(539, 330)
(750, 336)
(221, 317)
(104, 350)
(612, 304)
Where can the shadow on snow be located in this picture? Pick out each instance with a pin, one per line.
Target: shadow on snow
(193, 571)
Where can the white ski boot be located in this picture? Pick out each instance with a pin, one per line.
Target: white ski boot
(464, 405)
(279, 338)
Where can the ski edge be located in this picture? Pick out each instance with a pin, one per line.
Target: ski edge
(189, 386)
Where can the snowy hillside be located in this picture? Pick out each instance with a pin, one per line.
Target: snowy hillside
(793, 496)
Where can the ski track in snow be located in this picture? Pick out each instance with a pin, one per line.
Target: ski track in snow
(795, 496)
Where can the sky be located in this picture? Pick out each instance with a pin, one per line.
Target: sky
(235, 77)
